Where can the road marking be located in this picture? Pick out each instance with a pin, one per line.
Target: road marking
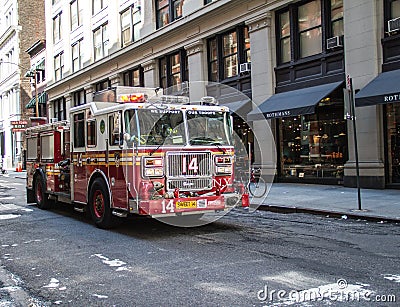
(7, 198)
(8, 216)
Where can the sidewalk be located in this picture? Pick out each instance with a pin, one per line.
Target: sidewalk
(381, 205)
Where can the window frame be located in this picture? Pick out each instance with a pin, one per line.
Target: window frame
(166, 73)
(170, 7)
(79, 98)
(102, 46)
(294, 37)
(58, 66)
(57, 28)
(75, 11)
(133, 26)
(60, 107)
(97, 6)
(129, 78)
(76, 58)
(216, 57)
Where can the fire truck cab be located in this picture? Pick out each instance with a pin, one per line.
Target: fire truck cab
(133, 151)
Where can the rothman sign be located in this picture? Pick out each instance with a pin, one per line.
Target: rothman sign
(391, 98)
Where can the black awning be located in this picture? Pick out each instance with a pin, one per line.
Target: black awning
(42, 98)
(385, 88)
(293, 103)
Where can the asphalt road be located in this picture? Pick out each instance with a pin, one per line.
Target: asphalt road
(58, 257)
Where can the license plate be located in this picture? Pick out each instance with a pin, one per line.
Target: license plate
(186, 204)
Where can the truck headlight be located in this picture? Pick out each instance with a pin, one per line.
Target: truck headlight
(153, 167)
(223, 165)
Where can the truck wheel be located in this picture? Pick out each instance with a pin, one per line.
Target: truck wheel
(40, 196)
(99, 205)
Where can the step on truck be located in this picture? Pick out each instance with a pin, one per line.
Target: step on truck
(135, 151)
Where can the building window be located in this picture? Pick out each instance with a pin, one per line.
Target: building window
(79, 98)
(134, 77)
(60, 109)
(76, 56)
(103, 85)
(337, 17)
(301, 28)
(98, 5)
(168, 11)
(310, 28)
(79, 130)
(226, 52)
(57, 30)
(173, 71)
(284, 30)
(58, 66)
(230, 55)
(207, 1)
(100, 42)
(76, 14)
(130, 22)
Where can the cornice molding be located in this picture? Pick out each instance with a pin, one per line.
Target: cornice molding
(259, 22)
(195, 47)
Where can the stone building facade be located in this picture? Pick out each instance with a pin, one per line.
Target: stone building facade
(21, 24)
(292, 58)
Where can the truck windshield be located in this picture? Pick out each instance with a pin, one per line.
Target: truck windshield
(208, 128)
(155, 126)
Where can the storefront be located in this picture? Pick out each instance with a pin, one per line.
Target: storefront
(311, 133)
(385, 89)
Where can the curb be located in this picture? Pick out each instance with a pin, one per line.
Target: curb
(334, 214)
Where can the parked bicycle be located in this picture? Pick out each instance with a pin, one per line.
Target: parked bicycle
(254, 182)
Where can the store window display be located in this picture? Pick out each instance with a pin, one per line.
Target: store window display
(314, 145)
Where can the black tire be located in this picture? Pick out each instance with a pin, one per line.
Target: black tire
(258, 187)
(40, 196)
(99, 205)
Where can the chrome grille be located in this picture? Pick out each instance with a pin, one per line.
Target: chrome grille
(189, 171)
(190, 184)
(181, 164)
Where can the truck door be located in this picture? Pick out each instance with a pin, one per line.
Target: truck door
(116, 162)
(79, 181)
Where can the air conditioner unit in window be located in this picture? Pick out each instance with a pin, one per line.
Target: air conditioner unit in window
(334, 42)
(394, 25)
(245, 67)
(53, 120)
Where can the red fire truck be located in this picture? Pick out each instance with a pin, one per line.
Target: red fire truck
(134, 151)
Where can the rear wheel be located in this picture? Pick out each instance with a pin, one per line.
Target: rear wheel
(257, 187)
(99, 205)
(40, 196)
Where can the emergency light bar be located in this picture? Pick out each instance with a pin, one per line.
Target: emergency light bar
(135, 98)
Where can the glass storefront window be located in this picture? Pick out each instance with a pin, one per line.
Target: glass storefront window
(393, 139)
(315, 145)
